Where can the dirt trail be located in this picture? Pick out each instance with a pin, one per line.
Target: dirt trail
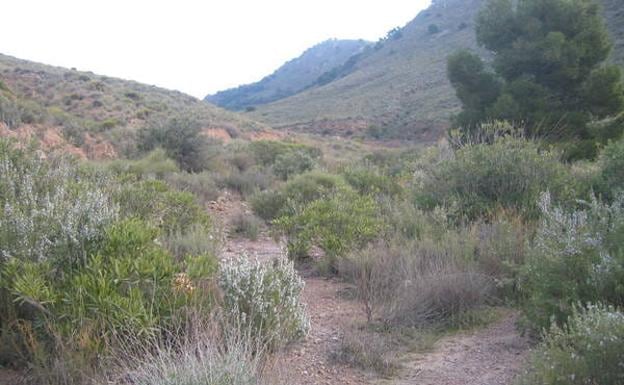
(490, 356)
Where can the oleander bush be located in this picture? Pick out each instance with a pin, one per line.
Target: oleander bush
(587, 350)
(576, 256)
(264, 298)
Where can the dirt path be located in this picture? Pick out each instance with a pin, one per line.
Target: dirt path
(490, 356)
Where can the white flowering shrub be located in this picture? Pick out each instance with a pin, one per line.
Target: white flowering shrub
(265, 298)
(48, 210)
(577, 255)
(588, 350)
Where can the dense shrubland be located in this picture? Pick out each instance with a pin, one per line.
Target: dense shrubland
(103, 260)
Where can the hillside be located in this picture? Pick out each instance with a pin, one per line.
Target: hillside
(91, 115)
(400, 88)
(291, 78)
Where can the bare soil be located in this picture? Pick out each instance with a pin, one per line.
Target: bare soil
(490, 356)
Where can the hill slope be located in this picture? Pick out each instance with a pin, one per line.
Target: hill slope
(400, 89)
(83, 110)
(292, 77)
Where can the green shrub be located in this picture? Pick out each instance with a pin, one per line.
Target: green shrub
(368, 181)
(202, 185)
(265, 299)
(247, 182)
(510, 173)
(198, 239)
(588, 350)
(267, 152)
(612, 163)
(154, 202)
(577, 256)
(292, 163)
(337, 224)
(124, 288)
(268, 205)
(311, 186)
(183, 141)
(155, 164)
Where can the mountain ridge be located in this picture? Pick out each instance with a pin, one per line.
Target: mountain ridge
(292, 77)
(398, 88)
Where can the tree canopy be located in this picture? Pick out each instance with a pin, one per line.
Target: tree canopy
(547, 71)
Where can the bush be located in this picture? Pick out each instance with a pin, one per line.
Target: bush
(124, 288)
(246, 225)
(336, 224)
(588, 350)
(48, 209)
(247, 182)
(194, 241)
(265, 299)
(612, 162)
(292, 163)
(368, 181)
(154, 202)
(202, 185)
(510, 173)
(267, 152)
(268, 205)
(417, 284)
(577, 256)
(367, 351)
(182, 140)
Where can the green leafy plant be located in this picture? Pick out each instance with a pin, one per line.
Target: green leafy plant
(588, 350)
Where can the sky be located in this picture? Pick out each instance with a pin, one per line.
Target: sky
(194, 46)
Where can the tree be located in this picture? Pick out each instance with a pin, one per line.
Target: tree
(182, 140)
(547, 69)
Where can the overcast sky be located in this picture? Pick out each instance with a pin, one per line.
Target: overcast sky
(195, 46)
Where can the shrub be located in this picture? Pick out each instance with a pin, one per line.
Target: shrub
(366, 351)
(182, 140)
(292, 163)
(49, 211)
(247, 182)
(336, 224)
(154, 164)
(124, 288)
(268, 205)
(588, 350)
(265, 299)
(510, 173)
(417, 284)
(612, 162)
(195, 241)
(154, 202)
(211, 352)
(311, 186)
(266, 152)
(368, 181)
(576, 257)
(246, 225)
(202, 185)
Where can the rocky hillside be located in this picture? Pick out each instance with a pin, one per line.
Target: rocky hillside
(91, 115)
(291, 78)
(399, 88)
